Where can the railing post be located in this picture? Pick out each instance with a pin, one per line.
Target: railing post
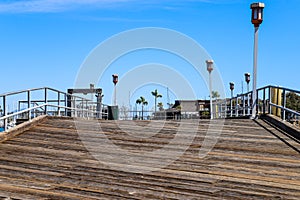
(257, 103)
(244, 109)
(87, 109)
(46, 100)
(284, 104)
(29, 102)
(236, 106)
(231, 107)
(74, 106)
(248, 103)
(270, 100)
(58, 100)
(82, 108)
(264, 101)
(277, 100)
(66, 104)
(4, 113)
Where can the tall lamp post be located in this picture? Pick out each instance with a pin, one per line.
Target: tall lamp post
(257, 18)
(115, 81)
(231, 85)
(210, 68)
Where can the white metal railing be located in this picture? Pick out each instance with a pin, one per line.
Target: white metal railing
(44, 101)
(270, 100)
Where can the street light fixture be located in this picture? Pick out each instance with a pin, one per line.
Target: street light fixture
(257, 13)
(210, 68)
(231, 84)
(247, 79)
(257, 19)
(115, 81)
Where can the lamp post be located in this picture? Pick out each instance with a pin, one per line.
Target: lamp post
(209, 64)
(247, 79)
(231, 85)
(115, 81)
(257, 18)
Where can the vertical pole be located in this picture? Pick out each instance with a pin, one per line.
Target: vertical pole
(284, 104)
(244, 106)
(242, 87)
(46, 100)
(264, 102)
(58, 100)
(28, 103)
(101, 106)
(247, 87)
(277, 102)
(66, 104)
(231, 103)
(87, 109)
(210, 94)
(237, 107)
(74, 106)
(115, 95)
(248, 102)
(136, 111)
(254, 94)
(4, 113)
(82, 108)
(257, 102)
(270, 101)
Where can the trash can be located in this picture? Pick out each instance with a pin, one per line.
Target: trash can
(113, 112)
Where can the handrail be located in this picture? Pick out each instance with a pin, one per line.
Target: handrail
(42, 88)
(22, 111)
(241, 104)
(279, 87)
(43, 105)
(69, 108)
(287, 109)
(65, 103)
(20, 91)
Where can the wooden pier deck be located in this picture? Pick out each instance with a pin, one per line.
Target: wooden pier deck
(251, 160)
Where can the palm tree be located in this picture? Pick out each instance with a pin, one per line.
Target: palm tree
(160, 106)
(142, 101)
(156, 95)
(215, 94)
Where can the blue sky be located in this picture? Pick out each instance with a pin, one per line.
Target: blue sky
(44, 42)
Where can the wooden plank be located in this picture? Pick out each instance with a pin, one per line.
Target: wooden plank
(50, 161)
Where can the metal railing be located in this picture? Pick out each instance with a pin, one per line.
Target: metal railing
(270, 100)
(43, 101)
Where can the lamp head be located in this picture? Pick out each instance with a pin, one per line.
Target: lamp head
(231, 84)
(115, 78)
(209, 64)
(247, 77)
(257, 13)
